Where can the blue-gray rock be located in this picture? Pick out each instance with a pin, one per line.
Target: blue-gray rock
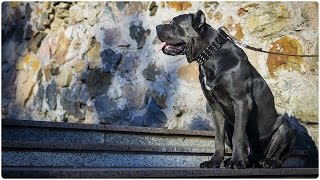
(72, 106)
(28, 11)
(28, 32)
(154, 117)
(38, 99)
(137, 121)
(138, 33)
(9, 74)
(108, 112)
(78, 93)
(51, 95)
(151, 71)
(110, 60)
(199, 123)
(97, 82)
(120, 4)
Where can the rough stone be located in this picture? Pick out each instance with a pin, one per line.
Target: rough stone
(44, 21)
(180, 6)
(64, 77)
(112, 36)
(51, 95)
(269, 21)
(136, 7)
(217, 16)
(138, 33)
(93, 55)
(110, 60)
(159, 98)
(62, 49)
(28, 32)
(38, 99)
(80, 66)
(310, 12)
(210, 7)
(98, 82)
(151, 72)
(72, 107)
(137, 121)
(201, 124)
(76, 14)
(239, 34)
(39, 37)
(153, 8)
(189, 73)
(29, 62)
(154, 117)
(285, 45)
(108, 111)
(8, 88)
(25, 84)
(44, 53)
(247, 8)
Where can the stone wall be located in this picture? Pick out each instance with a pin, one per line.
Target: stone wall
(97, 62)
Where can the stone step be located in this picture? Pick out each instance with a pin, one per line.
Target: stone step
(49, 172)
(23, 130)
(42, 144)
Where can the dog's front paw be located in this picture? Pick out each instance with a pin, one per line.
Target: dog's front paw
(210, 164)
(270, 163)
(233, 164)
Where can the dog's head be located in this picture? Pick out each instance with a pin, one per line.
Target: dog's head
(183, 34)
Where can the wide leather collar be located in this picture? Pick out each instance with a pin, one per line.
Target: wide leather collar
(213, 48)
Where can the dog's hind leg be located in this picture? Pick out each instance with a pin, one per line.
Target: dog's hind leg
(279, 147)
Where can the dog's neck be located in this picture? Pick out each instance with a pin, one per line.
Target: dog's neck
(218, 39)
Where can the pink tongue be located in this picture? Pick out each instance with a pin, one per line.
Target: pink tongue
(161, 46)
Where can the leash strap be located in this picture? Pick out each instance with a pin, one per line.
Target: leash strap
(232, 39)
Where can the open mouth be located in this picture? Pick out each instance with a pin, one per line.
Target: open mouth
(172, 49)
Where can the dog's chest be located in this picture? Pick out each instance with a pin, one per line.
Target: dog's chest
(206, 80)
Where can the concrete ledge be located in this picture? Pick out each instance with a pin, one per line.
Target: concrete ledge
(100, 127)
(24, 145)
(124, 148)
(46, 172)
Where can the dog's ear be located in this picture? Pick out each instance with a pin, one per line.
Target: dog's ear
(199, 19)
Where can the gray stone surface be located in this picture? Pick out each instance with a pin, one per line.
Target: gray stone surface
(97, 81)
(138, 33)
(101, 159)
(108, 111)
(110, 60)
(154, 116)
(156, 172)
(51, 95)
(51, 135)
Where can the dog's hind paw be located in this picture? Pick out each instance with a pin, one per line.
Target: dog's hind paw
(210, 164)
(270, 163)
(235, 164)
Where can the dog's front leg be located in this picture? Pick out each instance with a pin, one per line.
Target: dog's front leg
(218, 155)
(242, 108)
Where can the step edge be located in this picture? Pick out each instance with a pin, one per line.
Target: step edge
(103, 127)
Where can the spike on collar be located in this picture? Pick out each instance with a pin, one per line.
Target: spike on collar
(213, 48)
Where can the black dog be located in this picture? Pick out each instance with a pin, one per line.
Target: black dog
(241, 103)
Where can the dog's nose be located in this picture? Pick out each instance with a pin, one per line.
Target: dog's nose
(158, 28)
